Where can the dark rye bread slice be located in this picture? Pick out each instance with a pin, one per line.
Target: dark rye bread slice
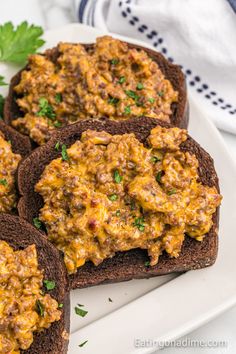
(20, 143)
(131, 264)
(19, 234)
(180, 110)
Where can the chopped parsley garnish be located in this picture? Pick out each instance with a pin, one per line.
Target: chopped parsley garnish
(151, 99)
(49, 284)
(57, 124)
(80, 305)
(139, 86)
(60, 305)
(40, 308)
(45, 109)
(160, 93)
(114, 61)
(155, 159)
(132, 94)
(57, 146)
(110, 300)
(135, 97)
(82, 344)
(58, 97)
(117, 212)
(139, 223)
(3, 182)
(132, 205)
(17, 44)
(64, 154)
(121, 80)
(113, 100)
(37, 223)
(147, 263)
(2, 82)
(113, 197)
(172, 191)
(117, 177)
(158, 176)
(1, 106)
(80, 312)
(127, 110)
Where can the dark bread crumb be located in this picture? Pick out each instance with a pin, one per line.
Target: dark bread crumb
(19, 234)
(124, 265)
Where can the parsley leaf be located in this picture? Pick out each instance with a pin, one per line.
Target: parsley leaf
(37, 223)
(113, 197)
(117, 177)
(64, 154)
(57, 146)
(155, 159)
(127, 110)
(139, 86)
(49, 284)
(1, 105)
(172, 191)
(60, 305)
(39, 308)
(113, 100)
(160, 93)
(57, 124)
(114, 61)
(58, 97)
(45, 109)
(2, 82)
(117, 212)
(80, 311)
(158, 176)
(132, 94)
(139, 223)
(17, 44)
(147, 263)
(121, 80)
(3, 182)
(151, 99)
(82, 344)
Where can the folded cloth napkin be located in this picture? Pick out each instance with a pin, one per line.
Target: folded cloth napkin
(198, 35)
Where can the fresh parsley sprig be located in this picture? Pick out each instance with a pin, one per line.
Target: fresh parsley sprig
(17, 43)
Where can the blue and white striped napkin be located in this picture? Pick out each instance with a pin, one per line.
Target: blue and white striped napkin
(198, 35)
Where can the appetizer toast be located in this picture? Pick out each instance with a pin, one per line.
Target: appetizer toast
(72, 82)
(196, 252)
(40, 291)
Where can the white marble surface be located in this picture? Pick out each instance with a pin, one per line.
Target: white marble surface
(55, 13)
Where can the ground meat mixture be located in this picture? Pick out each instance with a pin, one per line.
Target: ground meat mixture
(111, 193)
(24, 307)
(111, 80)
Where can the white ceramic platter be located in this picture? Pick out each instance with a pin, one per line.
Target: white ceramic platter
(166, 307)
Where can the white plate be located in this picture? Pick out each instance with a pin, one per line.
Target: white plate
(161, 308)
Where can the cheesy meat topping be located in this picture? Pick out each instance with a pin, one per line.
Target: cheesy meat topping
(108, 80)
(8, 166)
(24, 308)
(110, 193)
